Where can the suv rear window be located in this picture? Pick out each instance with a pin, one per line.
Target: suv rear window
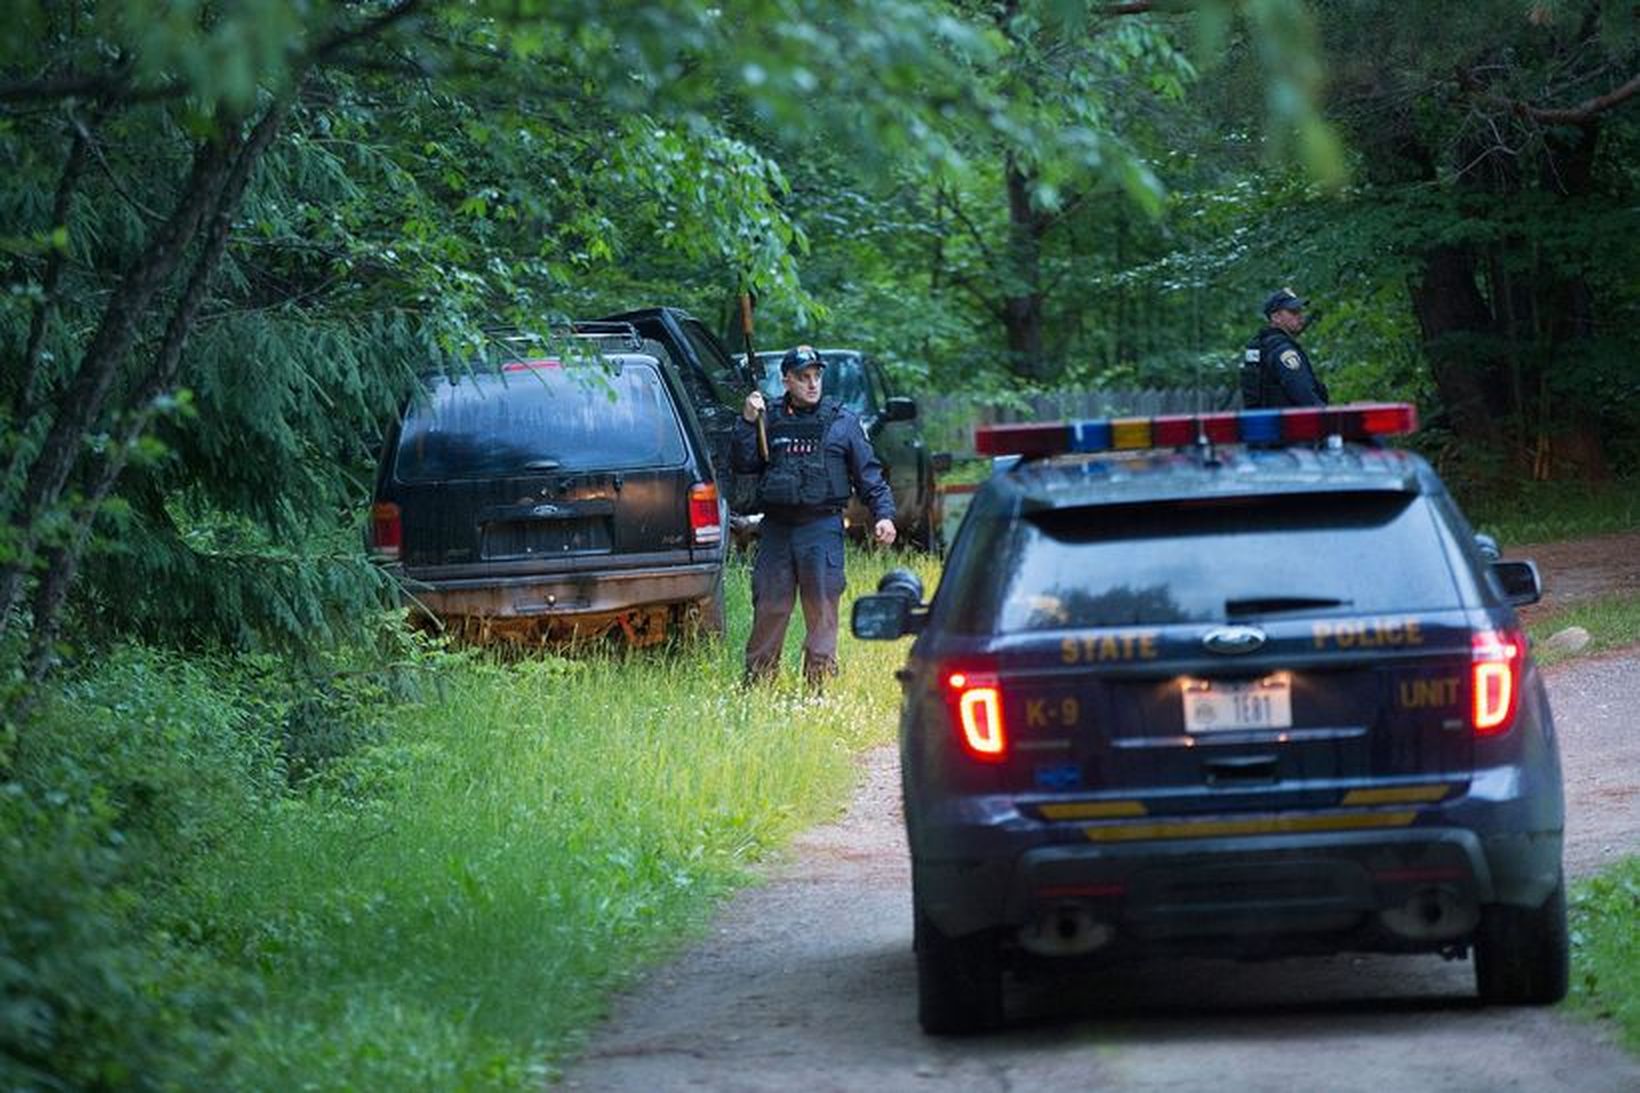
(538, 420)
(1209, 561)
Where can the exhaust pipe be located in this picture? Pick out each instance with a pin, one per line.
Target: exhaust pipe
(1431, 914)
(1068, 930)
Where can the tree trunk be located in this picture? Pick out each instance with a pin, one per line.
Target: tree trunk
(83, 401)
(1023, 296)
(62, 561)
(1455, 320)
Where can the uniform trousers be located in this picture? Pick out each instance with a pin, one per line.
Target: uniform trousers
(796, 561)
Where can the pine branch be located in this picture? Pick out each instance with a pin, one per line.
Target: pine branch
(67, 183)
(1142, 7)
(62, 561)
(1585, 111)
(82, 402)
(67, 85)
(368, 29)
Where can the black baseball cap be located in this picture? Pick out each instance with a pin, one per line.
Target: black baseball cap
(804, 356)
(1284, 300)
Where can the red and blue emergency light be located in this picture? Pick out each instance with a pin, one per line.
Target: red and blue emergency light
(1355, 421)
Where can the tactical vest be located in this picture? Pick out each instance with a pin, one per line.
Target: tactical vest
(799, 475)
(1255, 386)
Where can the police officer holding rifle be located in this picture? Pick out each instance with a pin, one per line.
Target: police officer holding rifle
(817, 453)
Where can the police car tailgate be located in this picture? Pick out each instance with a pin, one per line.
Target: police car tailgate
(1322, 713)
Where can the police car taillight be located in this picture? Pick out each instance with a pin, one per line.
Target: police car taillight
(1356, 421)
(975, 700)
(1496, 658)
(704, 526)
(386, 532)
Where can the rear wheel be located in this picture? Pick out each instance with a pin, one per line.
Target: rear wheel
(705, 617)
(959, 981)
(1521, 953)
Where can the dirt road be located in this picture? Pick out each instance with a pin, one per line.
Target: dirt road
(806, 982)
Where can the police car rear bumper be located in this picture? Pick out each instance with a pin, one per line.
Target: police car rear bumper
(1356, 884)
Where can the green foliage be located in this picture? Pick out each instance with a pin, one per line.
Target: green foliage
(89, 1002)
(135, 769)
(1606, 948)
(391, 867)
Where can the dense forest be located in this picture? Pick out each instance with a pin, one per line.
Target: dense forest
(236, 232)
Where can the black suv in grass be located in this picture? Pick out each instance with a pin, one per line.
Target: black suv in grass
(1243, 689)
(890, 420)
(555, 499)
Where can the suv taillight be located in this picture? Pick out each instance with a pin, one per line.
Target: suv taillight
(1496, 658)
(704, 525)
(386, 532)
(975, 701)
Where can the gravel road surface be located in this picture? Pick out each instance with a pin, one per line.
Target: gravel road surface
(806, 981)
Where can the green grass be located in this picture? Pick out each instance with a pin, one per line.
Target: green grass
(1612, 623)
(1537, 512)
(449, 908)
(1605, 925)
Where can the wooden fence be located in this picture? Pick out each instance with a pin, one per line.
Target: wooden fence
(948, 420)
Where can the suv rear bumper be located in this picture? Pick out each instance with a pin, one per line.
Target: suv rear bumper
(1307, 889)
(587, 592)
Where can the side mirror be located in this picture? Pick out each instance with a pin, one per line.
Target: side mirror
(882, 617)
(900, 408)
(1488, 546)
(895, 611)
(941, 462)
(1520, 582)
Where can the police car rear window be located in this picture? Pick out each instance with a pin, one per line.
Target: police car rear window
(1213, 561)
(538, 420)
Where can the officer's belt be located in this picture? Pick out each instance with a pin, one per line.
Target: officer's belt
(797, 517)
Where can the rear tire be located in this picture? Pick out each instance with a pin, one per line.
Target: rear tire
(1522, 957)
(959, 981)
(705, 617)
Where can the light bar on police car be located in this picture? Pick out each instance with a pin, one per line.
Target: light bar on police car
(1355, 421)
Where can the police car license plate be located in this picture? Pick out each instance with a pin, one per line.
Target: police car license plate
(1217, 706)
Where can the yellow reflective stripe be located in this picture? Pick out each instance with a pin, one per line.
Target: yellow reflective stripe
(1248, 825)
(1092, 810)
(1395, 795)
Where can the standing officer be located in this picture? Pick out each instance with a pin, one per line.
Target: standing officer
(1275, 370)
(817, 451)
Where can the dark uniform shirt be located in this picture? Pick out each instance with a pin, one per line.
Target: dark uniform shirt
(1283, 373)
(845, 441)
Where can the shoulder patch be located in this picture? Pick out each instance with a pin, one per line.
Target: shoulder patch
(1291, 359)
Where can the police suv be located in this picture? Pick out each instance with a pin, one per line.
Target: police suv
(1242, 684)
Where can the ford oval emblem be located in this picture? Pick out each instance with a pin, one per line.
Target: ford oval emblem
(546, 510)
(1234, 639)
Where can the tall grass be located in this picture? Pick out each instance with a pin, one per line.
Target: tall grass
(1536, 512)
(1612, 622)
(1606, 948)
(447, 908)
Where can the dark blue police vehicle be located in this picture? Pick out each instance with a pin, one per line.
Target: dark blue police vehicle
(1238, 684)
